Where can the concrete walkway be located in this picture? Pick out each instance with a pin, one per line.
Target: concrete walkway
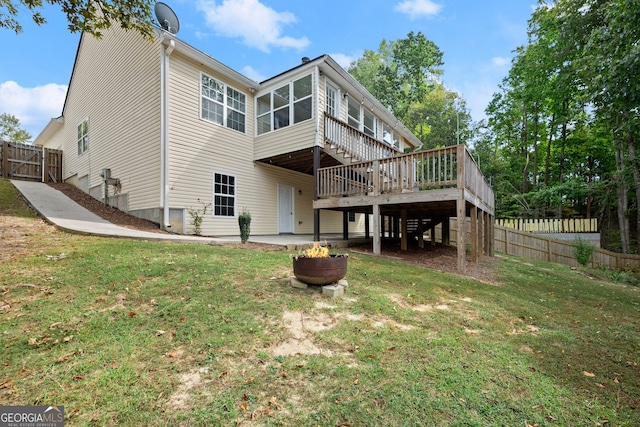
(67, 215)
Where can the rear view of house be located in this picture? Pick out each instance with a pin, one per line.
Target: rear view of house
(159, 127)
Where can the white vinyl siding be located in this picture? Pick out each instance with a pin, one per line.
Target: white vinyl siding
(123, 111)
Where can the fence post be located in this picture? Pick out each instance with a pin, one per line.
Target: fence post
(45, 164)
(5, 159)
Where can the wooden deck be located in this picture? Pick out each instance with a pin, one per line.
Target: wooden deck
(427, 187)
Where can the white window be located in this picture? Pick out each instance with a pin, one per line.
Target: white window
(388, 136)
(224, 195)
(369, 123)
(354, 114)
(290, 103)
(222, 104)
(83, 136)
(331, 100)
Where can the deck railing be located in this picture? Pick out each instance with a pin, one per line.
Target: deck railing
(424, 170)
(353, 143)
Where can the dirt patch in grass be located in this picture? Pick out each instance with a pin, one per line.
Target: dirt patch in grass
(16, 235)
(438, 257)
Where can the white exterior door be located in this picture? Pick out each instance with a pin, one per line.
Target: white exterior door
(285, 209)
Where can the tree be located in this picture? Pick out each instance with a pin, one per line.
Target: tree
(405, 76)
(565, 124)
(91, 17)
(10, 129)
(606, 55)
(401, 73)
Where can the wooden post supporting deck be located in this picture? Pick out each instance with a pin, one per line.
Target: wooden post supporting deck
(376, 227)
(316, 212)
(474, 234)
(461, 234)
(461, 210)
(404, 238)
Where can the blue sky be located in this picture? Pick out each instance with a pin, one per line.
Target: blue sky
(262, 38)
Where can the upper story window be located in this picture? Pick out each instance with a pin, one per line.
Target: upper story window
(331, 100)
(289, 104)
(83, 136)
(222, 104)
(354, 117)
(361, 118)
(369, 123)
(389, 136)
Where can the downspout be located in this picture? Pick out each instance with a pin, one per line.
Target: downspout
(164, 132)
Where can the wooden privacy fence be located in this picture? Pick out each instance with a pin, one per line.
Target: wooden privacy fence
(574, 225)
(541, 248)
(21, 161)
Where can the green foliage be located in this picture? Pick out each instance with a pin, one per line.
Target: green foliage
(583, 251)
(565, 112)
(197, 216)
(10, 130)
(91, 17)
(404, 75)
(244, 221)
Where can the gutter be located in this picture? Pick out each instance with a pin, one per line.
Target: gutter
(164, 131)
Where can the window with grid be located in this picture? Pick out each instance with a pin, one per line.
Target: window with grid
(83, 136)
(331, 100)
(289, 104)
(222, 104)
(224, 195)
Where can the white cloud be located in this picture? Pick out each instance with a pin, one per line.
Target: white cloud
(418, 8)
(253, 74)
(500, 61)
(34, 107)
(344, 60)
(258, 26)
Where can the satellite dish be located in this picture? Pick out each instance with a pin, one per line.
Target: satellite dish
(167, 18)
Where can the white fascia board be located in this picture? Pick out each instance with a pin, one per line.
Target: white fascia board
(49, 130)
(208, 61)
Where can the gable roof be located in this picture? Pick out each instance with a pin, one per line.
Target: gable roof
(325, 63)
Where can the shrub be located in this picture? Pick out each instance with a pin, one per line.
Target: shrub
(583, 251)
(244, 221)
(197, 215)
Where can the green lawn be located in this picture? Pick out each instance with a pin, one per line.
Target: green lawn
(134, 333)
